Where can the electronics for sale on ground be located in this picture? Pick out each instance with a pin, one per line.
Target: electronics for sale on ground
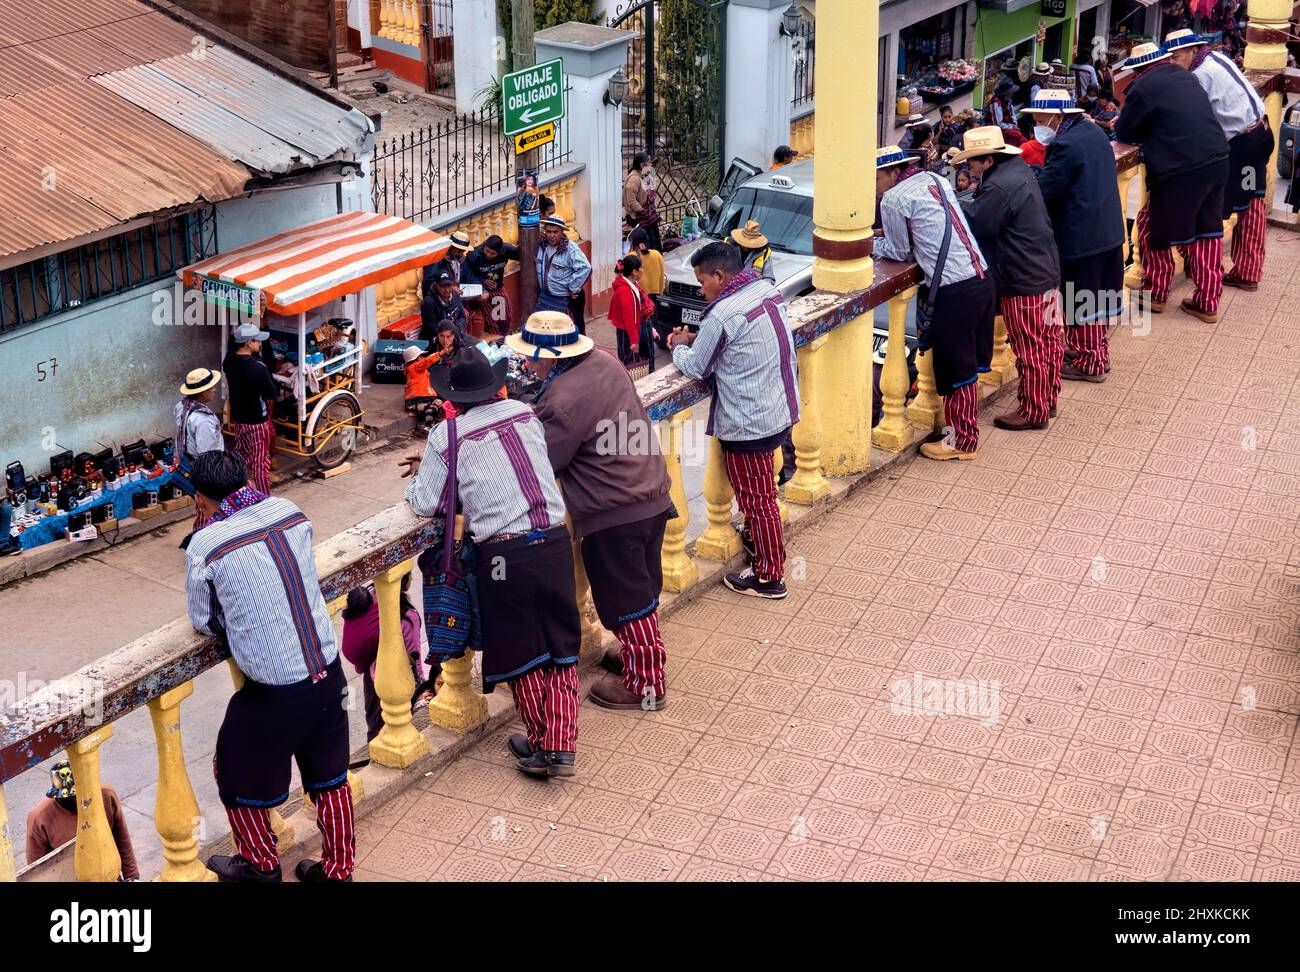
(15, 477)
(60, 461)
(145, 505)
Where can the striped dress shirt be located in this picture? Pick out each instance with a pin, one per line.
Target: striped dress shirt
(1236, 104)
(503, 474)
(746, 346)
(912, 216)
(252, 577)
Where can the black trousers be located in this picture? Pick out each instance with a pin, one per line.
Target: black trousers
(578, 311)
(624, 569)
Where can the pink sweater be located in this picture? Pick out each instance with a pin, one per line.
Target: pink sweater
(361, 640)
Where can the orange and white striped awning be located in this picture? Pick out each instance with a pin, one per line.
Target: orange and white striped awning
(306, 267)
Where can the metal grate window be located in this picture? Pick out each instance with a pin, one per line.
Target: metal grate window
(805, 61)
(51, 285)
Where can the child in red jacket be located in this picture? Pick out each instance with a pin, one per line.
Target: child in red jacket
(630, 311)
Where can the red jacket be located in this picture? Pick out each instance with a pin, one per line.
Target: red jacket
(629, 306)
(1034, 152)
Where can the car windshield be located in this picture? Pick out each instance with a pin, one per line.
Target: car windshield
(786, 219)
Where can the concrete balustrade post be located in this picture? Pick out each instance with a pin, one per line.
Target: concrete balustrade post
(808, 485)
(719, 541)
(1002, 366)
(778, 459)
(593, 634)
(175, 809)
(8, 872)
(679, 570)
(398, 744)
(1133, 279)
(926, 410)
(96, 858)
(894, 433)
(1267, 31)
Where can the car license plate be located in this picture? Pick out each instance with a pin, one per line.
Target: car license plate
(690, 316)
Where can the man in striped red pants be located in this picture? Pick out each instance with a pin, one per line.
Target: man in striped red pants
(1009, 219)
(252, 395)
(1169, 115)
(603, 449)
(745, 345)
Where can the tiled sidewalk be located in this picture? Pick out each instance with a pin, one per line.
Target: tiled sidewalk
(1123, 577)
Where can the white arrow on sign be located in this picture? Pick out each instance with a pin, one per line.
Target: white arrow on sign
(532, 113)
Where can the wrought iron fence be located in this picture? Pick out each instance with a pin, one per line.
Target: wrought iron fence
(450, 164)
(804, 60)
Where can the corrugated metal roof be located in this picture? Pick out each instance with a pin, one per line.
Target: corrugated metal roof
(110, 110)
(78, 159)
(251, 116)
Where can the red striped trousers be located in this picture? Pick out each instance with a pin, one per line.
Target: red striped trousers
(642, 647)
(253, 445)
(1248, 241)
(1204, 256)
(547, 700)
(1034, 330)
(255, 841)
(961, 411)
(753, 479)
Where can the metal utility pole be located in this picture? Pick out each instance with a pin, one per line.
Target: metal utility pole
(334, 43)
(525, 55)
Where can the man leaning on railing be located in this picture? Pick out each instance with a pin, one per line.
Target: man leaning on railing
(252, 578)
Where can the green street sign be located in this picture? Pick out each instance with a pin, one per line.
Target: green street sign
(533, 96)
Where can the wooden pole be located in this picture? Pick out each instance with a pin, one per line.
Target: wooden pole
(525, 55)
(334, 43)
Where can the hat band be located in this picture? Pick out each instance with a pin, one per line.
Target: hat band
(891, 158)
(548, 342)
(1052, 104)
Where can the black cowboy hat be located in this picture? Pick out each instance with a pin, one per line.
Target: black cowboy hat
(469, 377)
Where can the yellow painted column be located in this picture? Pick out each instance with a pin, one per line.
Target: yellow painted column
(680, 571)
(894, 433)
(926, 410)
(285, 836)
(719, 541)
(808, 484)
(843, 210)
(8, 872)
(175, 809)
(1002, 366)
(96, 857)
(1133, 279)
(399, 743)
(1267, 30)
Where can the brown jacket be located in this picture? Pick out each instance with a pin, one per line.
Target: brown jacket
(634, 195)
(602, 445)
(49, 827)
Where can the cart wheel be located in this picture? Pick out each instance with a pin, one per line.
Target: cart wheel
(337, 418)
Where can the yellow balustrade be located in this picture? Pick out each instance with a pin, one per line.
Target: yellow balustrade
(679, 570)
(1133, 279)
(1271, 19)
(808, 484)
(8, 872)
(1125, 180)
(777, 460)
(894, 433)
(410, 23)
(1002, 366)
(719, 541)
(803, 135)
(96, 857)
(175, 809)
(399, 743)
(926, 410)
(844, 383)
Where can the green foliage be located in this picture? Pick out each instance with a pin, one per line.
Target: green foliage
(688, 62)
(546, 13)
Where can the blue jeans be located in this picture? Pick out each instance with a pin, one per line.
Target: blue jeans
(6, 520)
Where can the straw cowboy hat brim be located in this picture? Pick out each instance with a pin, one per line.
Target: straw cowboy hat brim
(892, 155)
(1053, 102)
(549, 334)
(984, 141)
(1144, 55)
(200, 380)
(749, 236)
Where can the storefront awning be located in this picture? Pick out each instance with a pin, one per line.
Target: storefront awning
(309, 266)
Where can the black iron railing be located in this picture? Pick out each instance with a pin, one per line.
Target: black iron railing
(804, 60)
(450, 164)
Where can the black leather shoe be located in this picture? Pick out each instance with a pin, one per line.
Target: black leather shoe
(518, 746)
(238, 868)
(547, 762)
(313, 872)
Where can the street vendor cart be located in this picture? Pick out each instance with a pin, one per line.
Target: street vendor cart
(305, 287)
